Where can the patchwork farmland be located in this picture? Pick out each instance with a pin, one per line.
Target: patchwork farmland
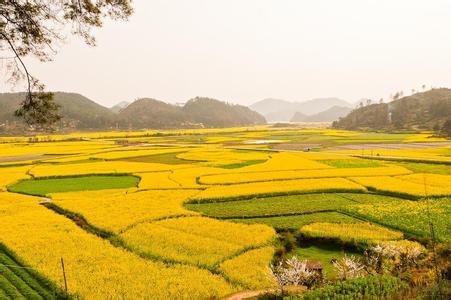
(209, 213)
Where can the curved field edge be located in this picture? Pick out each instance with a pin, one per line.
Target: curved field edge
(418, 235)
(42, 186)
(24, 279)
(116, 241)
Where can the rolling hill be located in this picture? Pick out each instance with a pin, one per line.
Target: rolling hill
(82, 113)
(427, 110)
(77, 110)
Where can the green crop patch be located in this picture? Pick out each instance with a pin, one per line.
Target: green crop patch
(242, 164)
(296, 222)
(442, 169)
(351, 163)
(163, 158)
(42, 187)
(273, 206)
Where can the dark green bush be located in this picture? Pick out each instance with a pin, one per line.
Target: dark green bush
(374, 286)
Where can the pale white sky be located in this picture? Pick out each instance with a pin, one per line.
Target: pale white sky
(242, 51)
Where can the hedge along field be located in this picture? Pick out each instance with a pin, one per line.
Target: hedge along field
(43, 187)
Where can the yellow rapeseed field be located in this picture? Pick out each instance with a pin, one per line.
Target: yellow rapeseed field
(363, 232)
(11, 175)
(196, 240)
(101, 167)
(135, 152)
(391, 184)
(54, 148)
(115, 210)
(250, 268)
(279, 187)
(157, 180)
(234, 178)
(94, 268)
(435, 180)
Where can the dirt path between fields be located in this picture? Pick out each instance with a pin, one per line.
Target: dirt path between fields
(256, 293)
(24, 157)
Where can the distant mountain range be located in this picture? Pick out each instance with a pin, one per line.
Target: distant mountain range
(328, 115)
(317, 110)
(428, 110)
(82, 113)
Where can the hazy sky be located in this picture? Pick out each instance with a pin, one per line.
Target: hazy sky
(242, 51)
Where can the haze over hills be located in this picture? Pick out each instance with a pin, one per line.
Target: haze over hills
(428, 110)
(276, 110)
(328, 115)
(118, 107)
(82, 113)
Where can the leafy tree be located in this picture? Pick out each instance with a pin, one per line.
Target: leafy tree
(35, 27)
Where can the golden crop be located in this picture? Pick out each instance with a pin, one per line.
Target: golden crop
(435, 180)
(101, 167)
(391, 184)
(233, 178)
(135, 152)
(116, 210)
(361, 232)
(285, 161)
(279, 187)
(439, 153)
(157, 180)
(196, 240)
(10, 175)
(54, 148)
(94, 268)
(250, 268)
(186, 177)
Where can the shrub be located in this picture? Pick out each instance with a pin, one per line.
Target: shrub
(366, 287)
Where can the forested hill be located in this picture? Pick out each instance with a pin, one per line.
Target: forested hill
(77, 111)
(429, 110)
(82, 113)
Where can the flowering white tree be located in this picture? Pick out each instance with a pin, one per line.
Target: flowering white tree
(348, 267)
(293, 271)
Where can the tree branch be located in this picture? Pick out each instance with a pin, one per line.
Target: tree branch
(22, 63)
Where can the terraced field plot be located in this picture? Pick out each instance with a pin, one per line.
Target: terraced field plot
(199, 216)
(42, 187)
